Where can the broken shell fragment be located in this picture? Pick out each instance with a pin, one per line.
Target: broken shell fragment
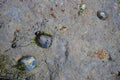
(27, 63)
(43, 40)
(102, 15)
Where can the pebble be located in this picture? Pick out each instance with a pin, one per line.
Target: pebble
(27, 63)
(102, 15)
(13, 45)
(43, 40)
(118, 73)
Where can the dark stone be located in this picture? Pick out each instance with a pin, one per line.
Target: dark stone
(13, 45)
(118, 73)
(43, 40)
(102, 15)
(0, 26)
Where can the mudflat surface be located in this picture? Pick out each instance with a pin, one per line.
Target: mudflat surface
(83, 47)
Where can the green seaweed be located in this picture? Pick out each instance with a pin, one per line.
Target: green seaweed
(20, 66)
(3, 63)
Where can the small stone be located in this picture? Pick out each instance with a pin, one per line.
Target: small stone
(27, 63)
(118, 73)
(43, 40)
(110, 58)
(0, 26)
(102, 15)
(13, 45)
